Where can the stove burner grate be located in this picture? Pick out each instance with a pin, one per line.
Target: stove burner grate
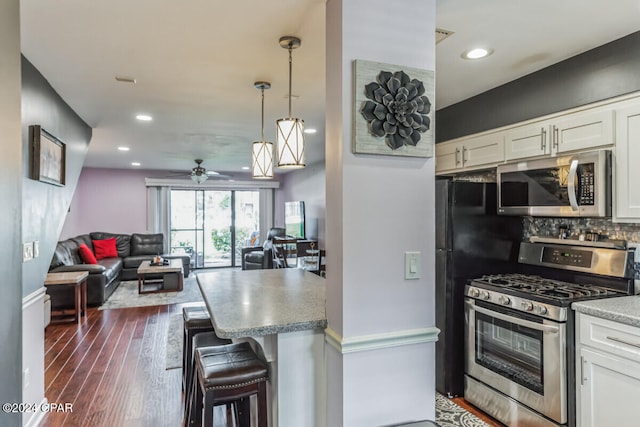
(544, 287)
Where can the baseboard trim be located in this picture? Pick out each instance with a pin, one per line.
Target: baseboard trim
(380, 341)
(38, 416)
(33, 297)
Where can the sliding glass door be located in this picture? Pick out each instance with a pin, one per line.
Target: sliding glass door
(213, 225)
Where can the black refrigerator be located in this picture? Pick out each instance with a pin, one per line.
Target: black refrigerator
(471, 240)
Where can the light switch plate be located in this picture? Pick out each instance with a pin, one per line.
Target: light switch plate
(27, 252)
(36, 249)
(412, 265)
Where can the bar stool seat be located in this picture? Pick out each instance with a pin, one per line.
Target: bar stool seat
(196, 320)
(200, 340)
(229, 374)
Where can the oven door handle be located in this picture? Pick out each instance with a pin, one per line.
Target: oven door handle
(532, 325)
(571, 185)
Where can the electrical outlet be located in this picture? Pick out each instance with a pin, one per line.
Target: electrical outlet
(27, 252)
(36, 249)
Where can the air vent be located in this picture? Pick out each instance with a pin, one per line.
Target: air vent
(442, 34)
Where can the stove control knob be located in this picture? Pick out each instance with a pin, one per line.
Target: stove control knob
(473, 292)
(541, 309)
(526, 306)
(504, 300)
(485, 295)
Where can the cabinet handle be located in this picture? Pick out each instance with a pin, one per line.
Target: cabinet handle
(621, 341)
(543, 140)
(555, 136)
(457, 156)
(582, 377)
(464, 155)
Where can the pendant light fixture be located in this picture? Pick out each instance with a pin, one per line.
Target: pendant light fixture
(290, 131)
(262, 151)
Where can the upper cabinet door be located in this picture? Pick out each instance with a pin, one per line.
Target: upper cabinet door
(527, 141)
(626, 197)
(448, 156)
(582, 130)
(483, 150)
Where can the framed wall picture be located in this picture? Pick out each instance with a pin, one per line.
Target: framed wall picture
(393, 110)
(48, 157)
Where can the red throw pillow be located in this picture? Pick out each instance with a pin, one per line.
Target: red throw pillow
(105, 248)
(86, 255)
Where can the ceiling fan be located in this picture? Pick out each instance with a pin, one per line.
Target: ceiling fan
(199, 174)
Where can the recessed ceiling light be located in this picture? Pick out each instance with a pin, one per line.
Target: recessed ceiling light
(245, 168)
(476, 53)
(123, 148)
(135, 163)
(310, 130)
(144, 117)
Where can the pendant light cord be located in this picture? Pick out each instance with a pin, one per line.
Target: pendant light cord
(290, 68)
(262, 89)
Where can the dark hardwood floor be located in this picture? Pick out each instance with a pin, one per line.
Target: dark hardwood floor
(112, 368)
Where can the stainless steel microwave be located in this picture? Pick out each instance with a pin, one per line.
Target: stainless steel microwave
(564, 186)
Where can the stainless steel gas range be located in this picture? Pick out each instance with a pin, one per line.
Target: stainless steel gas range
(519, 364)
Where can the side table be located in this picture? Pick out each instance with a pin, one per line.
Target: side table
(78, 281)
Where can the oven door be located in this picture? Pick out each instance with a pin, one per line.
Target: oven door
(518, 354)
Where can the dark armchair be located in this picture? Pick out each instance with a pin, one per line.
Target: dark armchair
(255, 258)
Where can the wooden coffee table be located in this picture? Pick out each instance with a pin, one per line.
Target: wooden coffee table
(160, 278)
(75, 279)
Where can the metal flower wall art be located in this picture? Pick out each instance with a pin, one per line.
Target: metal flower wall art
(397, 109)
(394, 107)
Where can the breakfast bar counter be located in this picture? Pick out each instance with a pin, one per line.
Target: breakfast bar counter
(282, 313)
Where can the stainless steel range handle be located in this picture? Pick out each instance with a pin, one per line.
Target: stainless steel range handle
(515, 320)
(571, 185)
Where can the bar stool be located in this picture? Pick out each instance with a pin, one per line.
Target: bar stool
(229, 374)
(196, 320)
(200, 340)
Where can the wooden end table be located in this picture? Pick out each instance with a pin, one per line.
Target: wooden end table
(75, 279)
(160, 278)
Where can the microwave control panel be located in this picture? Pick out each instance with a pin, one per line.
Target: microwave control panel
(586, 196)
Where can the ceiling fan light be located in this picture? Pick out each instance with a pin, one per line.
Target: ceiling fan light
(262, 160)
(199, 178)
(290, 140)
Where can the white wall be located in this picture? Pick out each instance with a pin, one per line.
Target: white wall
(378, 207)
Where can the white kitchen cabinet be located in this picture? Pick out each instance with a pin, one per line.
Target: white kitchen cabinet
(626, 173)
(527, 141)
(607, 372)
(476, 152)
(582, 130)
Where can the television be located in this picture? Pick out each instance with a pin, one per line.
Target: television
(294, 219)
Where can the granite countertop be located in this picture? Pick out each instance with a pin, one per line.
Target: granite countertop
(251, 303)
(623, 310)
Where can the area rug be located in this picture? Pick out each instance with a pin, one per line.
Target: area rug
(126, 295)
(175, 338)
(448, 414)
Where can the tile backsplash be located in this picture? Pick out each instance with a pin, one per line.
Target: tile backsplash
(548, 227)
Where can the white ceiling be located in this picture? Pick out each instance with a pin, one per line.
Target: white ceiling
(195, 63)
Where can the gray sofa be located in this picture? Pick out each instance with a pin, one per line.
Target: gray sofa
(105, 276)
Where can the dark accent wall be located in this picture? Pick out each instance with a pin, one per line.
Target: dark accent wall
(45, 206)
(10, 212)
(601, 73)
